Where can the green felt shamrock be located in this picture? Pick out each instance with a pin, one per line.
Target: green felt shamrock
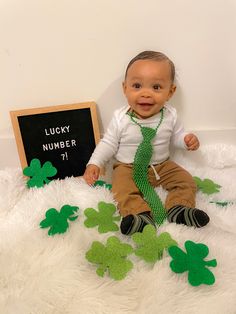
(57, 221)
(221, 203)
(207, 186)
(39, 176)
(103, 218)
(103, 183)
(111, 257)
(150, 246)
(193, 262)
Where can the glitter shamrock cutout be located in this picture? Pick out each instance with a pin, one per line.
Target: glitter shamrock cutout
(57, 221)
(39, 175)
(111, 257)
(193, 262)
(207, 186)
(103, 218)
(150, 246)
(103, 184)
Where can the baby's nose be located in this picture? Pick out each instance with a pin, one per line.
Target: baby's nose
(145, 93)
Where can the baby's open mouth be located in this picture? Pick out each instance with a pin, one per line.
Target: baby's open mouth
(145, 106)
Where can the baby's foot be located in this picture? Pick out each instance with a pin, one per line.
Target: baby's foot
(188, 216)
(135, 223)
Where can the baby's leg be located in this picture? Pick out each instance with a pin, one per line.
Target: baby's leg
(135, 211)
(180, 201)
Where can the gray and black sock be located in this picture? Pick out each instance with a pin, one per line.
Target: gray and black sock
(188, 216)
(135, 223)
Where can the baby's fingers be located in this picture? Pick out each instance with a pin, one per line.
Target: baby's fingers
(193, 145)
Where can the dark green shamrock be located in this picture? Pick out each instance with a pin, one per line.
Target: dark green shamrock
(57, 221)
(207, 186)
(39, 176)
(193, 262)
(102, 183)
(103, 218)
(150, 246)
(222, 203)
(111, 257)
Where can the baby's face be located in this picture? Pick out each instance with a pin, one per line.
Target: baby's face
(148, 86)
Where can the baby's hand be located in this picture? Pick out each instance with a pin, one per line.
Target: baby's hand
(191, 142)
(91, 174)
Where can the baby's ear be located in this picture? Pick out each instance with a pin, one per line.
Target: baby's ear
(172, 90)
(124, 86)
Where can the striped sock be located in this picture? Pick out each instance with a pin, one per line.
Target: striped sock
(135, 223)
(188, 216)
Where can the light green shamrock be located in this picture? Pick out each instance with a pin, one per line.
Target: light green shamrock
(39, 176)
(193, 262)
(111, 257)
(150, 246)
(103, 218)
(57, 221)
(207, 186)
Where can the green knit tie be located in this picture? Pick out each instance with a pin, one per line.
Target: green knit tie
(140, 171)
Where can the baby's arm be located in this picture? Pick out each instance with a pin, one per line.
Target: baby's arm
(181, 139)
(103, 152)
(91, 174)
(191, 141)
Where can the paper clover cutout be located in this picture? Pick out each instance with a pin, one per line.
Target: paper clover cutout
(111, 257)
(193, 262)
(57, 221)
(39, 176)
(207, 186)
(103, 218)
(150, 246)
(103, 183)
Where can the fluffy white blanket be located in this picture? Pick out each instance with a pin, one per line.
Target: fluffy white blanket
(50, 275)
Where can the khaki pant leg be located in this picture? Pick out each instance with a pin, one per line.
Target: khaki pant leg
(179, 184)
(125, 191)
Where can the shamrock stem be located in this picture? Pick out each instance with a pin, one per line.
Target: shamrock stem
(101, 270)
(211, 263)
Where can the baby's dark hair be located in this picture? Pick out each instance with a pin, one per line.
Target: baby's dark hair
(155, 56)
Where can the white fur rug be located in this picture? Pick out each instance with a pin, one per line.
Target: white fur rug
(50, 275)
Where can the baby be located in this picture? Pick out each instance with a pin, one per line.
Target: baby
(139, 137)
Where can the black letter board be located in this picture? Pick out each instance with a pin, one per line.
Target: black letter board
(65, 135)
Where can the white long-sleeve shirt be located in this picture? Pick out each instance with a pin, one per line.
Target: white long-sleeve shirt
(123, 137)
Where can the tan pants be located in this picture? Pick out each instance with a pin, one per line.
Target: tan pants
(173, 178)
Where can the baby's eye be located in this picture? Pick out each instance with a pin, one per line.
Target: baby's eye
(156, 87)
(136, 85)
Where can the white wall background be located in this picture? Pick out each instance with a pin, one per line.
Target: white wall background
(68, 51)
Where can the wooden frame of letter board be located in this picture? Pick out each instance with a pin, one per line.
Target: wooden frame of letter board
(24, 112)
